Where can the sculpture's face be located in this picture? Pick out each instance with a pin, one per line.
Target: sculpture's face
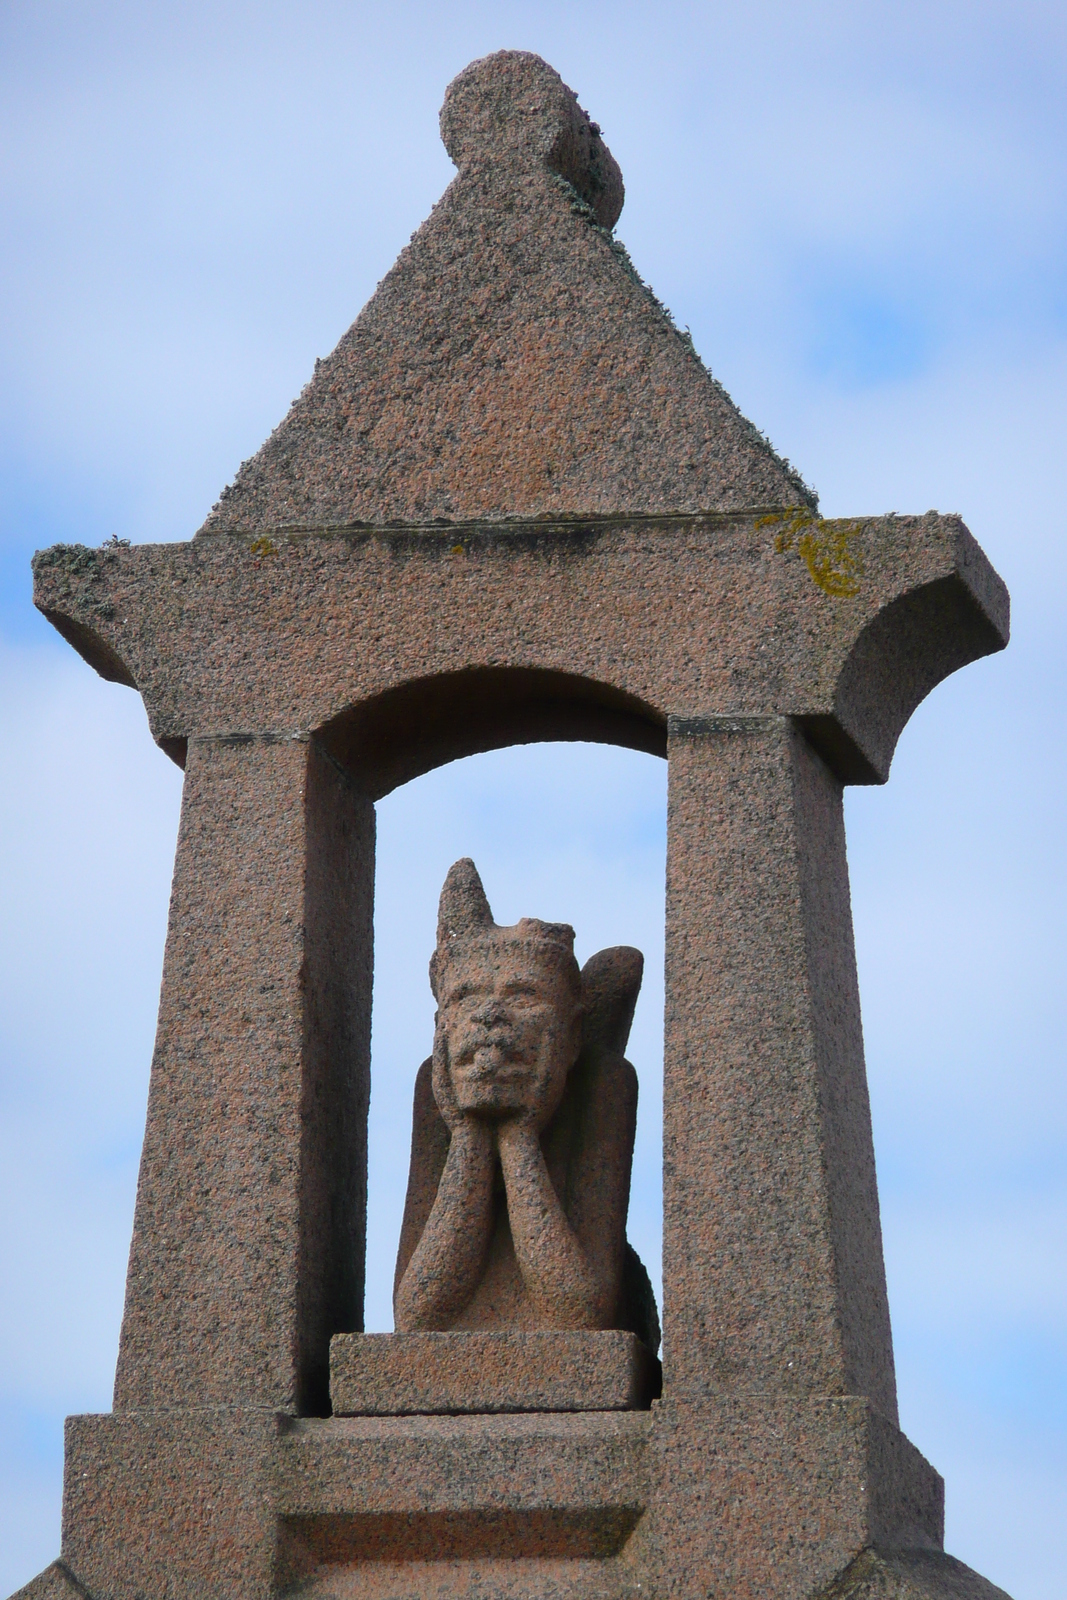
(510, 1023)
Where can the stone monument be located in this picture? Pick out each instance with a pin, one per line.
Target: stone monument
(513, 505)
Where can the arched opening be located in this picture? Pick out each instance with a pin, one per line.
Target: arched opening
(571, 832)
(422, 724)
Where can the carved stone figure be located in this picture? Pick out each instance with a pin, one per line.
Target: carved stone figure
(523, 1133)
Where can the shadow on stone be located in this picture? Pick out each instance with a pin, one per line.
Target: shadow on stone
(909, 1575)
(56, 1582)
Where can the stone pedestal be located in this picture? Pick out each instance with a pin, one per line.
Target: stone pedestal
(755, 1497)
(412, 1374)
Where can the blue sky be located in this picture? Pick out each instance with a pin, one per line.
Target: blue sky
(860, 211)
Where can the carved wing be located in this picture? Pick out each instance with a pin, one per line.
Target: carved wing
(611, 982)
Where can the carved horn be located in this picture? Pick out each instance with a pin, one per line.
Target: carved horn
(463, 908)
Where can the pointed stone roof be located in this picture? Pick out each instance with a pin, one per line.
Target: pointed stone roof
(512, 363)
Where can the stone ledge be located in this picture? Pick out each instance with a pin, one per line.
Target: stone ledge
(56, 1582)
(242, 1503)
(415, 1466)
(431, 1374)
(909, 1575)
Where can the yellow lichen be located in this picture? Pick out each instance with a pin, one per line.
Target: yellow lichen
(829, 548)
(263, 546)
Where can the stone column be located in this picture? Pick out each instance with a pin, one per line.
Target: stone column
(248, 1240)
(773, 1278)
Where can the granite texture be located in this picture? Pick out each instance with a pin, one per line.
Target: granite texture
(249, 1227)
(772, 1260)
(234, 1503)
(56, 1582)
(511, 506)
(511, 108)
(522, 1132)
(508, 1505)
(398, 1374)
(172, 1505)
(511, 363)
(764, 1497)
(909, 1575)
(405, 648)
(754, 1497)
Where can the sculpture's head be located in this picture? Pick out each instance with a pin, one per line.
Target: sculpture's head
(509, 1005)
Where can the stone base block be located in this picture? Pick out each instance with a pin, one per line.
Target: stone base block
(250, 1505)
(171, 1505)
(774, 1495)
(508, 1507)
(430, 1374)
(753, 1497)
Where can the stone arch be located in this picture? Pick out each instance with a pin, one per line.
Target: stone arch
(905, 650)
(457, 822)
(415, 726)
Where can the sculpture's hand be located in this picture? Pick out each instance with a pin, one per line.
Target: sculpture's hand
(443, 1091)
(559, 1277)
(534, 1098)
(449, 1259)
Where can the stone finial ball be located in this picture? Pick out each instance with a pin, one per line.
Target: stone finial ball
(512, 106)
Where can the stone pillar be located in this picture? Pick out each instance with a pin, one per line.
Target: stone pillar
(248, 1240)
(773, 1278)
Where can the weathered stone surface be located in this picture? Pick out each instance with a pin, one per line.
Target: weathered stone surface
(483, 1559)
(370, 1466)
(772, 1259)
(172, 1505)
(511, 108)
(398, 1374)
(909, 1575)
(403, 649)
(248, 1235)
(465, 388)
(56, 1582)
(767, 1497)
(508, 1505)
(523, 1131)
(626, 561)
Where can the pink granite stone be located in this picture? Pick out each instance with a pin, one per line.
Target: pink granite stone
(523, 1133)
(513, 505)
(518, 1369)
